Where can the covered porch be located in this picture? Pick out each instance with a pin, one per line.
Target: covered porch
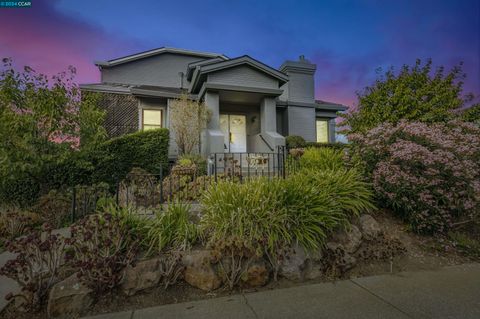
(241, 122)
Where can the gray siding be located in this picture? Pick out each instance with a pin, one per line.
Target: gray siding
(160, 70)
(282, 125)
(301, 87)
(301, 121)
(243, 76)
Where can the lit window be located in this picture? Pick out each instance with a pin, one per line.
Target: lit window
(322, 131)
(152, 119)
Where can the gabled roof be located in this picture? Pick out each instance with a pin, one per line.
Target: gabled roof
(154, 52)
(201, 70)
(192, 66)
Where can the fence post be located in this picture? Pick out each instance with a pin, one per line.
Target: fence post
(117, 191)
(74, 202)
(215, 167)
(284, 160)
(161, 184)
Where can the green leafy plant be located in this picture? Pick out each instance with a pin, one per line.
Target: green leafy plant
(114, 159)
(42, 121)
(171, 228)
(411, 94)
(269, 215)
(250, 211)
(295, 141)
(198, 160)
(338, 146)
(321, 159)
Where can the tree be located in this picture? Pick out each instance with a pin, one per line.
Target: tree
(472, 114)
(42, 120)
(415, 93)
(187, 120)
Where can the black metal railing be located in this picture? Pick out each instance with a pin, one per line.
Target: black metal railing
(248, 165)
(145, 192)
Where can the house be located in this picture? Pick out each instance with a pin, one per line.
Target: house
(253, 106)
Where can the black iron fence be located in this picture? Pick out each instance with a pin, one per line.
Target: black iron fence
(247, 165)
(144, 192)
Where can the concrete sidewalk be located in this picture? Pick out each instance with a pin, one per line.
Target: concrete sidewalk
(452, 292)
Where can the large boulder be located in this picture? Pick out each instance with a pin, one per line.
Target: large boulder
(350, 239)
(370, 228)
(69, 298)
(338, 257)
(145, 274)
(256, 275)
(199, 271)
(294, 263)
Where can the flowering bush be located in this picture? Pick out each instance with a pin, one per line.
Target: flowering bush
(427, 173)
(36, 266)
(102, 246)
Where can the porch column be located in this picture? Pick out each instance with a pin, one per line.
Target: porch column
(268, 123)
(213, 135)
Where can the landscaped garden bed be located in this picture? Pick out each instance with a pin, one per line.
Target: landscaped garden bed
(318, 224)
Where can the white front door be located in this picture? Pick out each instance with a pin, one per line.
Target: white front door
(234, 129)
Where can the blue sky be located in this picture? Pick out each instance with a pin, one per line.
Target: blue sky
(348, 40)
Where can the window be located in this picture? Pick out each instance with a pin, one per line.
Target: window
(152, 119)
(322, 131)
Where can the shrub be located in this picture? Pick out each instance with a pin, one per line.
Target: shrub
(338, 146)
(42, 119)
(198, 160)
(14, 222)
(54, 208)
(266, 216)
(250, 211)
(414, 93)
(321, 159)
(19, 188)
(427, 174)
(170, 229)
(139, 189)
(129, 219)
(114, 159)
(345, 187)
(102, 246)
(234, 255)
(35, 267)
(295, 141)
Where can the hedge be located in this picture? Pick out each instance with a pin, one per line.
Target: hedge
(110, 161)
(295, 141)
(114, 159)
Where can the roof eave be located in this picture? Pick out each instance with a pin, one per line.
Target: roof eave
(146, 54)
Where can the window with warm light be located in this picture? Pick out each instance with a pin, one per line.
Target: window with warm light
(322, 131)
(151, 119)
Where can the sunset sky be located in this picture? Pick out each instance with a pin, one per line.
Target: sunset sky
(348, 40)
